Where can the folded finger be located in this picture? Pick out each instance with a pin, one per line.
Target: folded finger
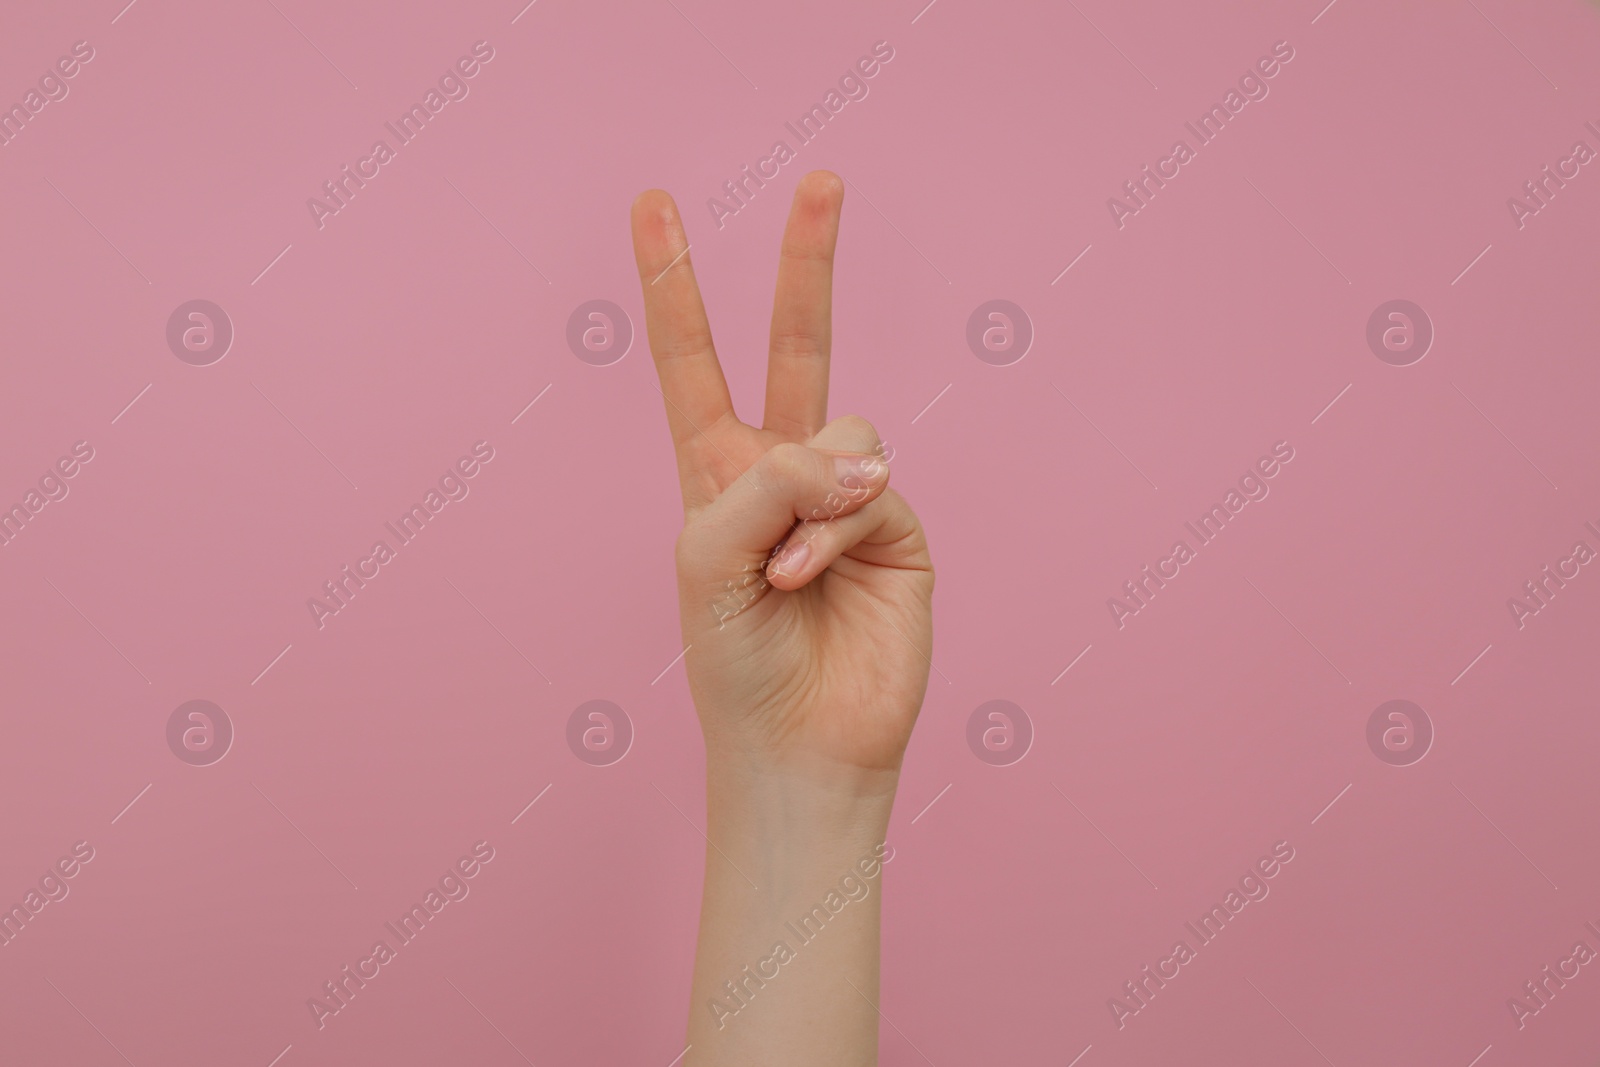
(885, 532)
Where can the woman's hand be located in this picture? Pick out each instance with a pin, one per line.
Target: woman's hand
(814, 661)
(807, 664)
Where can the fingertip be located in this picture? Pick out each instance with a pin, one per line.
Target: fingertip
(659, 236)
(819, 195)
(648, 195)
(654, 210)
(824, 183)
(787, 566)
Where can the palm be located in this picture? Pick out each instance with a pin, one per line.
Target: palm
(836, 667)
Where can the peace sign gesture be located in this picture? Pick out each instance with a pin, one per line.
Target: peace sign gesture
(816, 654)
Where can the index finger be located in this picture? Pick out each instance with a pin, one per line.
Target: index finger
(675, 319)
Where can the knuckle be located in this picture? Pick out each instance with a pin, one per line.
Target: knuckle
(805, 253)
(686, 344)
(788, 462)
(858, 429)
(798, 342)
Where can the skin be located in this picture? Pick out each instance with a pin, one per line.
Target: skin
(805, 593)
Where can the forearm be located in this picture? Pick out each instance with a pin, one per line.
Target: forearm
(786, 971)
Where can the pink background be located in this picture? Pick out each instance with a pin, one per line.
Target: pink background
(1225, 317)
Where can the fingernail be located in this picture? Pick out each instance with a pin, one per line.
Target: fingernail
(790, 561)
(854, 471)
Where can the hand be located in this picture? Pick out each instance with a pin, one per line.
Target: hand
(813, 660)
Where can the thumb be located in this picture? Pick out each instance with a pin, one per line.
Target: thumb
(791, 483)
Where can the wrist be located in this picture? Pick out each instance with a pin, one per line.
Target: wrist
(817, 789)
(788, 822)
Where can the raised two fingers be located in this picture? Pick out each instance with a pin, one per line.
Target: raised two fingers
(692, 383)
